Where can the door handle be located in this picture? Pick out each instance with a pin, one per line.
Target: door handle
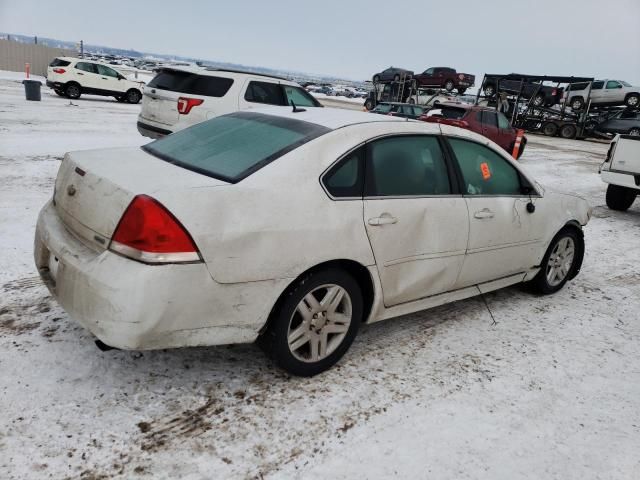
(80, 73)
(384, 219)
(484, 213)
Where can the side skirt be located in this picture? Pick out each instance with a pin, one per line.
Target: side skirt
(384, 313)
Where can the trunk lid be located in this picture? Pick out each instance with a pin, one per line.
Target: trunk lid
(93, 188)
(160, 106)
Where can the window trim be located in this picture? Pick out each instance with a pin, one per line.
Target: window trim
(454, 182)
(521, 176)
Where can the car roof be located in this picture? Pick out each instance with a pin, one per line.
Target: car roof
(332, 118)
(214, 72)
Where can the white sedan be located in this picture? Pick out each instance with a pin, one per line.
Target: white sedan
(293, 228)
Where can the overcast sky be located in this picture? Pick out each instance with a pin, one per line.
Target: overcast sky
(352, 39)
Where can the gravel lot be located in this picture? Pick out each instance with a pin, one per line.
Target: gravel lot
(551, 391)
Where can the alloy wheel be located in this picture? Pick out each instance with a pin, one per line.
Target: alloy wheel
(560, 261)
(319, 323)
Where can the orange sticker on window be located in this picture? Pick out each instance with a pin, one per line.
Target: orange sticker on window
(486, 173)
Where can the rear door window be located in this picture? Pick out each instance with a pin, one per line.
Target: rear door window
(87, 67)
(453, 112)
(299, 96)
(232, 147)
(406, 166)
(191, 83)
(265, 92)
(597, 85)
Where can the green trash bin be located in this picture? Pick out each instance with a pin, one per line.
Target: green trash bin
(32, 89)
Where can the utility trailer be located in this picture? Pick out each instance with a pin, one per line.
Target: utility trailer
(523, 93)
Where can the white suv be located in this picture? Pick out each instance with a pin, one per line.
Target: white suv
(621, 170)
(603, 92)
(71, 77)
(179, 97)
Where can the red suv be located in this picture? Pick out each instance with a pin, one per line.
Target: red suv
(485, 121)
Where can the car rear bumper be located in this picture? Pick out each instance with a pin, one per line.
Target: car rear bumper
(131, 305)
(151, 131)
(621, 179)
(55, 85)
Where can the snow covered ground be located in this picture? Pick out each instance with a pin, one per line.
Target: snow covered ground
(552, 391)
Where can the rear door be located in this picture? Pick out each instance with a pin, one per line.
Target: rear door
(506, 132)
(489, 120)
(416, 223)
(504, 238)
(86, 74)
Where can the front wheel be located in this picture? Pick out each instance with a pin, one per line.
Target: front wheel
(561, 262)
(315, 322)
(577, 103)
(72, 90)
(448, 85)
(632, 100)
(620, 198)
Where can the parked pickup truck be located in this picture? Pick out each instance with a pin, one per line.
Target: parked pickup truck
(604, 92)
(543, 95)
(445, 77)
(621, 170)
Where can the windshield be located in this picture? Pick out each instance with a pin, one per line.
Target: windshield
(234, 146)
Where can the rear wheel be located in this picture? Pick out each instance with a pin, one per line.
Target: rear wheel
(632, 100)
(448, 85)
(550, 129)
(538, 100)
(620, 198)
(568, 131)
(314, 323)
(369, 105)
(560, 263)
(72, 90)
(133, 96)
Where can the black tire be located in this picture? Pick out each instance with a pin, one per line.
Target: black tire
(577, 103)
(369, 105)
(538, 100)
(632, 100)
(449, 85)
(635, 132)
(72, 90)
(620, 198)
(568, 131)
(461, 91)
(133, 96)
(489, 90)
(550, 129)
(541, 282)
(59, 93)
(376, 78)
(275, 340)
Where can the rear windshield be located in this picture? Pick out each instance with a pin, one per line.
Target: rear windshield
(383, 107)
(191, 83)
(59, 63)
(453, 112)
(232, 147)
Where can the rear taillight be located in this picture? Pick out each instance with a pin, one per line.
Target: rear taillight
(185, 104)
(59, 70)
(149, 233)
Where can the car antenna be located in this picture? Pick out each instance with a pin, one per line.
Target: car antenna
(296, 109)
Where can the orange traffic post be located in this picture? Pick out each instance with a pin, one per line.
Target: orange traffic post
(27, 69)
(516, 145)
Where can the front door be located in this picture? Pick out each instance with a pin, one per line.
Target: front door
(613, 92)
(110, 80)
(417, 226)
(504, 238)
